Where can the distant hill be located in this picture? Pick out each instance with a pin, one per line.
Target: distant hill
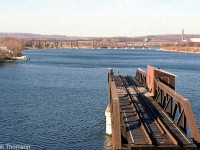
(35, 36)
(165, 37)
(173, 37)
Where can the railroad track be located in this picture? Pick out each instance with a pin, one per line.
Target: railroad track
(141, 121)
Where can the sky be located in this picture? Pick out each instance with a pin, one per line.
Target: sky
(100, 17)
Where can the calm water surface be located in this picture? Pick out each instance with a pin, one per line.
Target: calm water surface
(56, 101)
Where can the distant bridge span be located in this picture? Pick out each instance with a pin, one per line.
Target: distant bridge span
(51, 43)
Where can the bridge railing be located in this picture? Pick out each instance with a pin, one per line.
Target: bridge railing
(174, 104)
(178, 108)
(115, 112)
(141, 77)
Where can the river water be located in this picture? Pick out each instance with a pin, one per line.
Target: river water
(56, 101)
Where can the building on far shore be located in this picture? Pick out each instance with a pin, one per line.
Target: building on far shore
(195, 39)
(147, 39)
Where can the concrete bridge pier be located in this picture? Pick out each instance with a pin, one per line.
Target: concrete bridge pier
(108, 121)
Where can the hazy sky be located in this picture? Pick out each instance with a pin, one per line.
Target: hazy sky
(100, 17)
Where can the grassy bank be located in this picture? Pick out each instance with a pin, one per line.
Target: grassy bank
(187, 47)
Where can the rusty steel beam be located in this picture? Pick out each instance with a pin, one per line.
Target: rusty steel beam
(115, 118)
(142, 72)
(110, 78)
(141, 77)
(181, 122)
(161, 75)
(115, 111)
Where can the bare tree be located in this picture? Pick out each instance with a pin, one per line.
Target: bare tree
(2, 55)
(13, 44)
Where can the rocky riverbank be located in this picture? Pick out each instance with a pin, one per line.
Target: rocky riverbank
(10, 57)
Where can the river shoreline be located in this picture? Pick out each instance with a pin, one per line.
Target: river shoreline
(192, 50)
(14, 59)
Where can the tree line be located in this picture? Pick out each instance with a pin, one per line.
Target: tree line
(183, 44)
(11, 47)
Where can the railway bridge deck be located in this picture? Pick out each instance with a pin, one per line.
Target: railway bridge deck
(146, 115)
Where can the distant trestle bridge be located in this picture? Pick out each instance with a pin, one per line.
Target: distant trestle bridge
(94, 44)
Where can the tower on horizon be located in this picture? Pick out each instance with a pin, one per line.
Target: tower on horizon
(182, 38)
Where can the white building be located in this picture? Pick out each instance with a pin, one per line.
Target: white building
(195, 39)
(146, 39)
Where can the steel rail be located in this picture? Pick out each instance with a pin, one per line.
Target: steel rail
(143, 125)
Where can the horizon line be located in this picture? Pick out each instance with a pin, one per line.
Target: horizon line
(94, 36)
